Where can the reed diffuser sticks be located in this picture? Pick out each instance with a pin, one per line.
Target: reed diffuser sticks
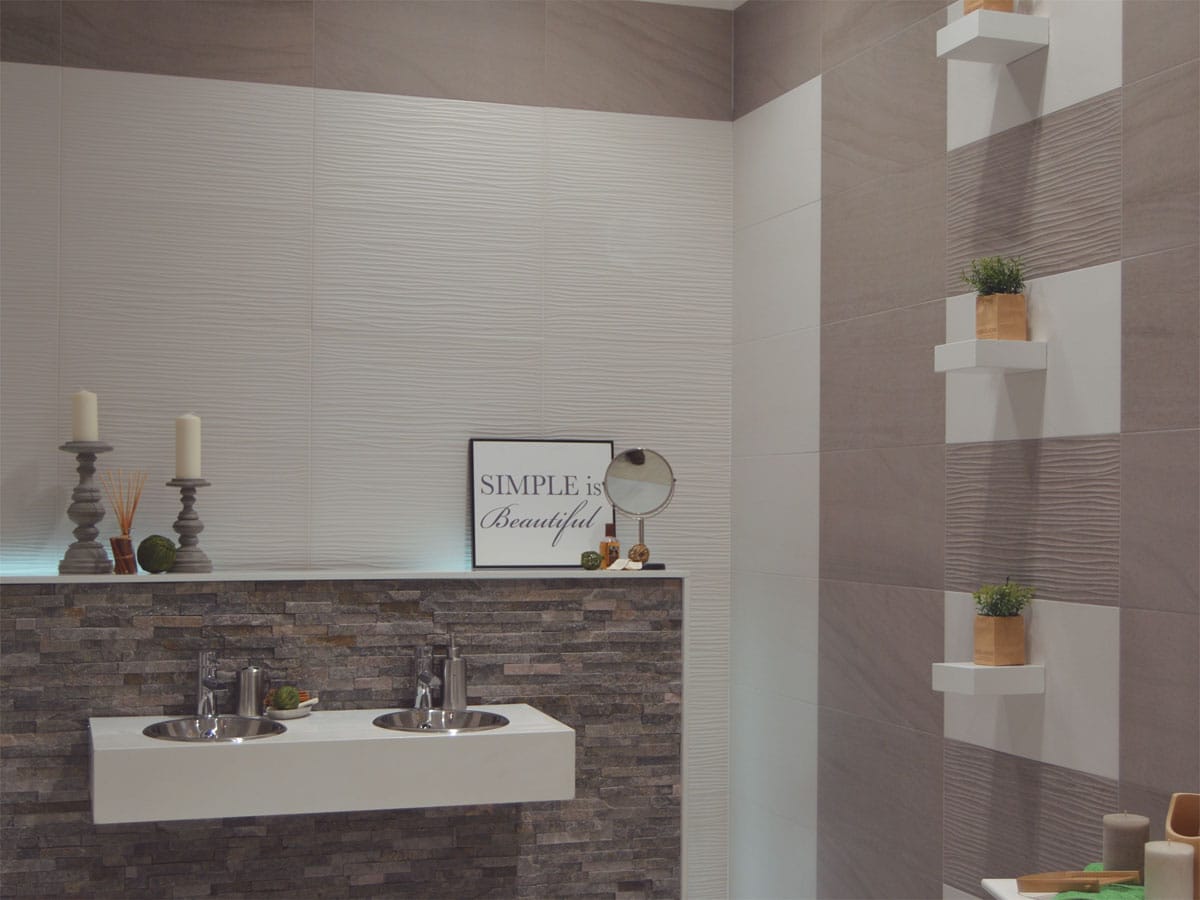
(123, 493)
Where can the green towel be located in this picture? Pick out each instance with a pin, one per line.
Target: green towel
(1108, 892)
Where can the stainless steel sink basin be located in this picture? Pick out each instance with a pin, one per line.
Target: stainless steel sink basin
(448, 721)
(214, 729)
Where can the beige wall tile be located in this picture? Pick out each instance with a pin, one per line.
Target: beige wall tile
(852, 26)
(29, 31)
(777, 46)
(1159, 34)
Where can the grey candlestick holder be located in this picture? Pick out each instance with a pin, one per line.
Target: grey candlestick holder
(189, 557)
(86, 556)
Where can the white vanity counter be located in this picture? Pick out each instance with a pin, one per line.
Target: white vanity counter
(144, 578)
(331, 761)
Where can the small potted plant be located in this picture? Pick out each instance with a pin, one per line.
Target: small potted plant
(999, 626)
(969, 6)
(999, 284)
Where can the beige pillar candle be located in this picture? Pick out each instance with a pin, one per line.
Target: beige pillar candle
(187, 446)
(85, 420)
(1125, 836)
(1169, 870)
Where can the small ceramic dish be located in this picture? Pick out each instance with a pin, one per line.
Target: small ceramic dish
(298, 713)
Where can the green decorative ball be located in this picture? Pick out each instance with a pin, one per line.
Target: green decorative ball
(286, 697)
(156, 554)
(589, 559)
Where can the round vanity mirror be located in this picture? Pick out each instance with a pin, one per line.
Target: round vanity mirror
(640, 483)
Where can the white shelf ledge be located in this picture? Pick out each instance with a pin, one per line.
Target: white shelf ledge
(1008, 357)
(968, 678)
(987, 36)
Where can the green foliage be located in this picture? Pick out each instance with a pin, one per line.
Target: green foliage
(996, 275)
(287, 697)
(1006, 599)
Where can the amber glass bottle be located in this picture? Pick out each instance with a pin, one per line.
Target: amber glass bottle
(610, 547)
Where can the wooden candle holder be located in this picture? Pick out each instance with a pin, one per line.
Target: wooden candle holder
(1001, 317)
(999, 640)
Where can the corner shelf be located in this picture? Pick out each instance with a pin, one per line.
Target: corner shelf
(968, 678)
(987, 36)
(990, 356)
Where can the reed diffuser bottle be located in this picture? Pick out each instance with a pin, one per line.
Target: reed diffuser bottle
(610, 547)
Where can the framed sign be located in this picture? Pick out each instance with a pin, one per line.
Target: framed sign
(537, 503)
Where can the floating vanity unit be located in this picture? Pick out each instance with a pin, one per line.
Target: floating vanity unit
(331, 761)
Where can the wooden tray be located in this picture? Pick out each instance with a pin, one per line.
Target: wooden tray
(1090, 882)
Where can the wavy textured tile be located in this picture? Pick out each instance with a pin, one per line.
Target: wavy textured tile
(35, 475)
(1043, 512)
(1048, 191)
(1007, 816)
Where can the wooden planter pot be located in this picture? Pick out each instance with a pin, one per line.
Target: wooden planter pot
(969, 6)
(1183, 825)
(999, 640)
(1001, 317)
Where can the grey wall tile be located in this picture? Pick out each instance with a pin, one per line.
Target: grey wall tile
(882, 242)
(901, 631)
(1158, 34)
(267, 41)
(1160, 340)
(1007, 816)
(1043, 512)
(1161, 178)
(451, 49)
(29, 31)
(1160, 700)
(650, 58)
(1160, 521)
(1149, 802)
(852, 26)
(776, 47)
(883, 515)
(1048, 191)
(883, 111)
(878, 387)
(879, 810)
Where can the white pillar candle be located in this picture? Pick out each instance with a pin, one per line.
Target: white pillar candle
(187, 446)
(1125, 836)
(1169, 870)
(85, 420)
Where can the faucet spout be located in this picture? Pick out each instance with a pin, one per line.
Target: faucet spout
(206, 684)
(423, 698)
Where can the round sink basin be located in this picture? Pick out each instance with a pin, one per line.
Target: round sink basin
(449, 721)
(214, 729)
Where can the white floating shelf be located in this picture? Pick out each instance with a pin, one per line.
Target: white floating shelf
(987, 36)
(968, 678)
(990, 356)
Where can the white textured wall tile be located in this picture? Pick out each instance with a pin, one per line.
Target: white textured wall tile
(776, 514)
(34, 530)
(1075, 723)
(777, 156)
(1078, 315)
(777, 394)
(777, 275)
(1083, 60)
(774, 625)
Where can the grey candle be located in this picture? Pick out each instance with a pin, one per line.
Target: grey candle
(1125, 837)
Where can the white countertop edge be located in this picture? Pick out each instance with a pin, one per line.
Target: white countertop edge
(1006, 889)
(545, 574)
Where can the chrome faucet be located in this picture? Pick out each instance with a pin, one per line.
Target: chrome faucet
(206, 683)
(423, 698)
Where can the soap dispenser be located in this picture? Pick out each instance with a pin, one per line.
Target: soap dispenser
(454, 679)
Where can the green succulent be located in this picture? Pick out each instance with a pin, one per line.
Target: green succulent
(996, 275)
(1002, 600)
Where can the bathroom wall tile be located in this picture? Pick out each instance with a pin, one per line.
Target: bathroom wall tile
(187, 235)
(876, 646)
(776, 394)
(1078, 315)
(1075, 722)
(36, 408)
(882, 243)
(1160, 521)
(1006, 816)
(852, 26)
(268, 41)
(774, 634)
(778, 775)
(1160, 693)
(884, 111)
(1048, 191)
(770, 857)
(775, 514)
(777, 274)
(1082, 62)
(1149, 802)
(1159, 34)
(777, 156)
(1161, 178)
(953, 893)
(648, 58)
(1160, 337)
(1043, 512)
(881, 786)
(452, 49)
(29, 31)
(776, 47)
(878, 387)
(883, 515)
